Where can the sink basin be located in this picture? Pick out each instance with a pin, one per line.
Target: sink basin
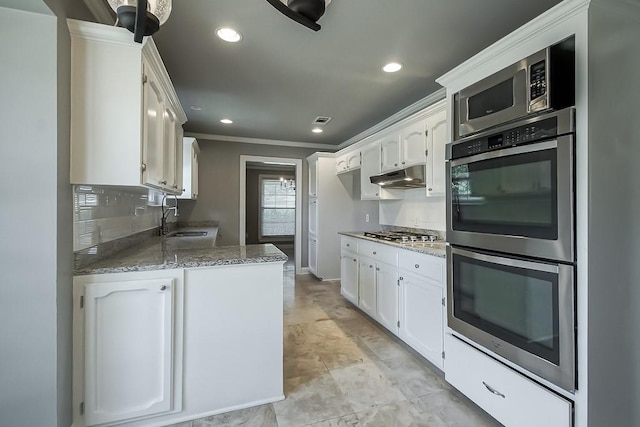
(187, 234)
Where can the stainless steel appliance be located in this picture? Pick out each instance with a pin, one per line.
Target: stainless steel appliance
(521, 309)
(512, 189)
(540, 82)
(411, 177)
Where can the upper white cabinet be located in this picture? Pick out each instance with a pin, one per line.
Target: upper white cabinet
(348, 162)
(436, 131)
(369, 167)
(190, 166)
(404, 147)
(126, 120)
(390, 151)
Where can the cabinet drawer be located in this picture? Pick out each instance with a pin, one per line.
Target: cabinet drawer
(379, 252)
(423, 265)
(514, 401)
(348, 244)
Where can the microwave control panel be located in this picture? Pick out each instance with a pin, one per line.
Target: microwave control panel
(537, 80)
(525, 134)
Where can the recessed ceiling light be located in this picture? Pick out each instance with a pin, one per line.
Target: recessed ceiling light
(229, 34)
(226, 121)
(392, 67)
(316, 130)
(196, 108)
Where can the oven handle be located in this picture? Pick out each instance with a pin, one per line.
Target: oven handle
(539, 146)
(511, 262)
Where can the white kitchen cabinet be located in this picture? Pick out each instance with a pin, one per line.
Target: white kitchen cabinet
(387, 296)
(128, 346)
(508, 396)
(329, 205)
(367, 292)
(370, 166)
(190, 167)
(349, 276)
(390, 149)
(126, 119)
(348, 162)
(436, 125)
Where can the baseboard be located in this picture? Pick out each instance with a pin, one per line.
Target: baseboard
(303, 270)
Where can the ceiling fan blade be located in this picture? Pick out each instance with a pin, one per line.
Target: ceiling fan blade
(294, 15)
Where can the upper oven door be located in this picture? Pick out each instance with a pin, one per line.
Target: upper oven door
(517, 200)
(509, 94)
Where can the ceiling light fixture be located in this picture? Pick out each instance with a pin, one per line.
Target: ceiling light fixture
(392, 67)
(196, 108)
(226, 121)
(228, 34)
(316, 130)
(305, 12)
(141, 17)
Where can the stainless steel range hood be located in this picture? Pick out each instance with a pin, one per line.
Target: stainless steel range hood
(411, 177)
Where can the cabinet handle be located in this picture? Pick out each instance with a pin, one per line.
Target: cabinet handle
(493, 390)
(371, 266)
(176, 187)
(377, 268)
(430, 189)
(143, 167)
(401, 278)
(377, 194)
(163, 288)
(347, 245)
(395, 164)
(417, 265)
(403, 163)
(163, 182)
(354, 260)
(374, 252)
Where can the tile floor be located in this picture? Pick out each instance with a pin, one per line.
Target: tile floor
(342, 369)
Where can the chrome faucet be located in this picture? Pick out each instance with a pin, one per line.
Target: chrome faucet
(165, 213)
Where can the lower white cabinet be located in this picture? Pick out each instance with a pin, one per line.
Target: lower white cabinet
(422, 316)
(508, 396)
(367, 286)
(387, 296)
(128, 360)
(349, 276)
(313, 254)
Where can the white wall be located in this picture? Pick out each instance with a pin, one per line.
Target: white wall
(36, 264)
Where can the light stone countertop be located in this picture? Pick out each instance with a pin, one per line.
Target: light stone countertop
(162, 253)
(437, 248)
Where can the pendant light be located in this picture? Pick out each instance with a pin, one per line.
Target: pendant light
(141, 17)
(305, 12)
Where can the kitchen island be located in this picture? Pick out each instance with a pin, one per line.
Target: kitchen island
(175, 329)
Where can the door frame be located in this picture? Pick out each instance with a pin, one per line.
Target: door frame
(244, 159)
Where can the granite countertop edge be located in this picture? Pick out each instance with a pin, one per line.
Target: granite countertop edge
(437, 249)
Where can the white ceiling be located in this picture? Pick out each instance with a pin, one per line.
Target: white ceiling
(281, 76)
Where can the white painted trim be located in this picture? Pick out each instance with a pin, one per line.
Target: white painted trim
(101, 11)
(551, 18)
(242, 214)
(414, 108)
(260, 141)
(304, 270)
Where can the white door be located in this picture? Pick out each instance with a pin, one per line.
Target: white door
(387, 296)
(153, 130)
(414, 144)
(421, 316)
(349, 276)
(436, 141)
(370, 167)
(367, 286)
(128, 349)
(313, 254)
(390, 151)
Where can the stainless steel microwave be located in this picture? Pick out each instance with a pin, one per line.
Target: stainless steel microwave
(539, 82)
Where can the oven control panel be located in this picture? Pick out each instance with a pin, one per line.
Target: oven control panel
(525, 134)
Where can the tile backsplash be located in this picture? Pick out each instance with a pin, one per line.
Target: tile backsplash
(102, 214)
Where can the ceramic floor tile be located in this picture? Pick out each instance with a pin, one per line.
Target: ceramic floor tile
(366, 386)
(309, 400)
(398, 414)
(258, 416)
(384, 346)
(454, 409)
(412, 376)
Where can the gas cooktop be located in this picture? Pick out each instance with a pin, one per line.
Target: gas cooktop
(401, 236)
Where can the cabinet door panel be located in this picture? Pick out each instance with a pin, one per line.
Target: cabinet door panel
(436, 141)
(367, 286)
(313, 254)
(421, 323)
(370, 166)
(390, 152)
(387, 296)
(128, 349)
(349, 276)
(414, 144)
(153, 131)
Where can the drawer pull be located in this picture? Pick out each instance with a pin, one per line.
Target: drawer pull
(374, 252)
(417, 265)
(493, 390)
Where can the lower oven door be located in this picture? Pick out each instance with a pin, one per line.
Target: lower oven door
(520, 309)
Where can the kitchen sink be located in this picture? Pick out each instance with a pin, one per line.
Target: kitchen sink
(187, 234)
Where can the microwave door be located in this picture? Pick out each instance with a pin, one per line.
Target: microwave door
(517, 200)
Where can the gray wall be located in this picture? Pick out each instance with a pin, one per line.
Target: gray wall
(253, 199)
(219, 186)
(614, 211)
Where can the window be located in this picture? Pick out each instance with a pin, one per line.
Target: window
(277, 207)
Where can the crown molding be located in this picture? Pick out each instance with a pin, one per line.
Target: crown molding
(412, 109)
(260, 141)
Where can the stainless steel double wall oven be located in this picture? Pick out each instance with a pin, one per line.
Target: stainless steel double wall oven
(511, 219)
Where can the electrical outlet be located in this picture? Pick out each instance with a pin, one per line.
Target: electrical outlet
(366, 217)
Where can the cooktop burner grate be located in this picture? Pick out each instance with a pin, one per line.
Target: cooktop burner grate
(401, 236)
